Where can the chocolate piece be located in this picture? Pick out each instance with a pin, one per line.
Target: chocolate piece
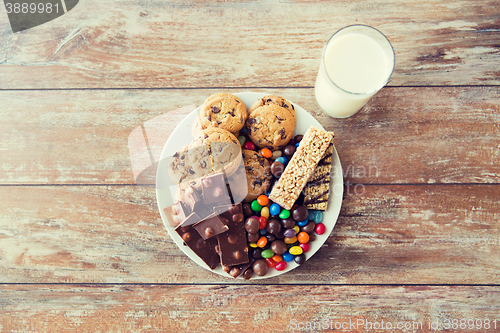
(260, 267)
(300, 213)
(253, 238)
(252, 225)
(175, 214)
(288, 223)
(214, 190)
(273, 226)
(194, 204)
(277, 169)
(233, 243)
(288, 150)
(210, 227)
(247, 275)
(309, 227)
(205, 249)
(237, 270)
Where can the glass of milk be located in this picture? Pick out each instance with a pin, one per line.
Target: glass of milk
(357, 62)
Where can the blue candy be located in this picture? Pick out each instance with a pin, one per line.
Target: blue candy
(311, 215)
(275, 209)
(287, 256)
(318, 216)
(263, 231)
(297, 144)
(302, 223)
(283, 160)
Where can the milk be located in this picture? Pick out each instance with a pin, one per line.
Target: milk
(354, 67)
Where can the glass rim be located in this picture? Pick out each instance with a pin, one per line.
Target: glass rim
(376, 31)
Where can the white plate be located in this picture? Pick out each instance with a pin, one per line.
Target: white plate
(182, 136)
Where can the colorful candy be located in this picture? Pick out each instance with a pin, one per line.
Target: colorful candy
(280, 266)
(295, 250)
(270, 262)
(266, 153)
(290, 240)
(303, 237)
(320, 228)
(283, 160)
(269, 253)
(264, 212)
(262, 242)
(275, 209)
(305, 246)
(262, 200)
(255, 206)
(242, 140)
(287, 256)
(249, 145)
(318, 216)
(284, 214)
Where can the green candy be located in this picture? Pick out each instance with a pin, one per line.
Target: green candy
(241, 139)
(284, 214)
(256, 207)
(267, 253)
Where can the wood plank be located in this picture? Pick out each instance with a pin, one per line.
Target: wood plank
(403, 135)
(275, 308)
(394, 234)
(102, 44)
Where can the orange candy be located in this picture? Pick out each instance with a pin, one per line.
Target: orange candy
(266, 153)
(303, 237)
(277, 258)
(262, 200)
(262, 241)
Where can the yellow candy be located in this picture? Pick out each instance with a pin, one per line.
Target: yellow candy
(297, 229)
(253, 244)
(290, 240)
(264, 212)
(295, 250)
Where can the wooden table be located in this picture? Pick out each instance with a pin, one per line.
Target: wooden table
(83, 247)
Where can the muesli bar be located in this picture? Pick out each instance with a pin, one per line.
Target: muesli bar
(300, 168)
(317, 190)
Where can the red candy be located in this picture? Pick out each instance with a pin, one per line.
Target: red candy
(280, 265)
(320, 228)
(305, 246)
(262, 222)
(249, 145)
(270, 262)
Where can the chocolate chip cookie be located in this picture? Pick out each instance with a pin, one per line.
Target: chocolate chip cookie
(270, 126)
(273, 99)
(258, 174)
(224, 111)
(189, 164)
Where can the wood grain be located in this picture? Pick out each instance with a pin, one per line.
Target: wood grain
(393, 234)
(403, 135)
(215, 308)
(155, 44)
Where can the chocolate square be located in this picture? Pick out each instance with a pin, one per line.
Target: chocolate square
(194, 203)
(210, 227)
(175, 214)
(233, 243)
(214, 190)
(205, 249)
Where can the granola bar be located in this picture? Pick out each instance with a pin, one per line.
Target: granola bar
(317, 190)
(301, 167)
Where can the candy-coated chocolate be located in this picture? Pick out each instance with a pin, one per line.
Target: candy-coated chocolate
(300, 213)
(256, 254)
(263, 231)
(302, 223)
(298, 138)
(247, 210)
(268, 253)
(296, 228)
(277, 169)
(300, 259)
(295, 250)
(284, 214)
(289, 233)
(280, 266)
(305, 246)
(318, 216)
(253, 244)
(320, 228)
(265, 212)
(309, 227)
(262, 200)
(270, 262)
(288, 223)
(249, 145)
(265, 152)
(260, 267)
(242, 140)
(275, 209)
(287, 256)
(253, 238)
(303, 237)
(255, 206)
(282, 160)
(273, 226)
(270, 238)
(276, 154)
(262, 222)
(311, 214)
(288, 150)
(252, 225)
(277, 258)
(280, 235)
(247, 275)
(297, 144)
(290, 240)
(262, 241)
(279, 247)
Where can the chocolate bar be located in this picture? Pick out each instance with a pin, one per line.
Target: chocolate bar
(210, 227)
(233, 247)
(237, 270)
(205, 249)
(317, 190)
(194, 203)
